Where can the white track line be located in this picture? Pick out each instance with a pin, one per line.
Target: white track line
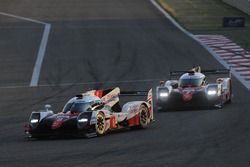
(40, 56)
(201, 42)
(42, 48)
(22, 18)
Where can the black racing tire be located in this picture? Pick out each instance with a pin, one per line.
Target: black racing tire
(231, 94)
(143, 116)
(100, 125)
(221, 104)
(154, 99)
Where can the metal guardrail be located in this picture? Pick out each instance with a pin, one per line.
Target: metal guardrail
(243, 5)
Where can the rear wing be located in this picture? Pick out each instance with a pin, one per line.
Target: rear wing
(148, 94)
(133, 93)
(206, 72)
(217, 71)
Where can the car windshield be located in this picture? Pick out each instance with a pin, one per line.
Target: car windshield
(76, 107)
(191, 82)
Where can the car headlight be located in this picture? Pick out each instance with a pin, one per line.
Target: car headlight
(164, 94)
(82, 120)
(33, 121)
(212, 92)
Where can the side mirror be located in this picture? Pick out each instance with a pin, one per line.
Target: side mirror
(47, 107)
(174, 85)
(162, 83)
(97, 105)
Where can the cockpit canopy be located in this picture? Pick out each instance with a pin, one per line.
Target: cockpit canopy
(76, 107)
(194, 79)
(84, 104)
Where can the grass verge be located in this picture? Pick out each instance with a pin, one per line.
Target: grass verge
(206, 17)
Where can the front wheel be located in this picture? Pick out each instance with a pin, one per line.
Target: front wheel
(220, 103)
(143, 115)
(229, 101)
(100, 125)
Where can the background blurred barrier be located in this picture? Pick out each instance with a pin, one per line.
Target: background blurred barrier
(243, 5)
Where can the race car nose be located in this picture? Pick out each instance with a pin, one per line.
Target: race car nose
(187, 96)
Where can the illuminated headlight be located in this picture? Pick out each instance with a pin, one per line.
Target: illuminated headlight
(33, 121)
(82, 120)
(212, 92)
(164, 94)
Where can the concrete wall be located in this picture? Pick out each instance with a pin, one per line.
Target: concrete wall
(243, 5)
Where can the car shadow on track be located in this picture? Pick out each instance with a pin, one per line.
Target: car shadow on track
(107, 135)
(188, 109)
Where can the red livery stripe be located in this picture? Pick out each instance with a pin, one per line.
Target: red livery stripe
(134, 120)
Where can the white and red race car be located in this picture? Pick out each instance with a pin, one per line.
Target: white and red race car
(92, 113)
(192, 89)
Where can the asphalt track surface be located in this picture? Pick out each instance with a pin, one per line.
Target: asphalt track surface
(93, 42)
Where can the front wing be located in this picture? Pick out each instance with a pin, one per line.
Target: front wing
(176, 101)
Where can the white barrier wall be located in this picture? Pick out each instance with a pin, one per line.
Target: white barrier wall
(243, 5)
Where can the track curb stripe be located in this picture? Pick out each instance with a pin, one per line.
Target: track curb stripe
(230, 57)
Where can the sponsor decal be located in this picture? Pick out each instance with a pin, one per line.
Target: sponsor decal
(113, 122)
(133, 109)
(187, 95)
(59, 121)
(109, 98)
(134, 120)
(57, 124)
(233, 22)
(99, 93)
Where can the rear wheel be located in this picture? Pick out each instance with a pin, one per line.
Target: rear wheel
(143, 115)
(154, 100)
(230, 94)
(221, 103)
(100, 125)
